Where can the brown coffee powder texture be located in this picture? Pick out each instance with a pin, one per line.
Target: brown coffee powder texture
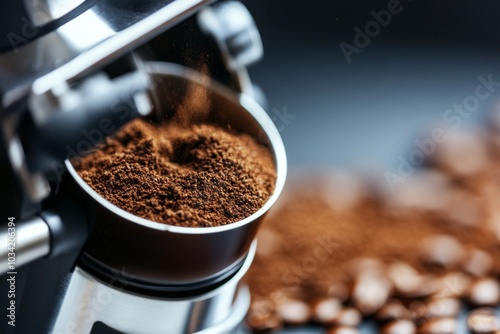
(195, 176)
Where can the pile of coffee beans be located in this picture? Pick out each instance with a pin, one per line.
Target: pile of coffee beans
(338, 249)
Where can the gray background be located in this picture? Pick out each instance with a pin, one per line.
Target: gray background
(370, 111)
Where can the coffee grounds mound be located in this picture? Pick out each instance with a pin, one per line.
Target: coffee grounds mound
(197, 176)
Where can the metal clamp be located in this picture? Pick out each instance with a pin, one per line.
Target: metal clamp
(232, 27)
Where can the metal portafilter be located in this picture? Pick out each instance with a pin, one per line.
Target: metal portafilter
(63, 123)
(148, 277)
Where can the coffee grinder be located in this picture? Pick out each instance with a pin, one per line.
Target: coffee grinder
(71, 73)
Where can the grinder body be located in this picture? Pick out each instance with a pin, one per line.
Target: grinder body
(64, 68)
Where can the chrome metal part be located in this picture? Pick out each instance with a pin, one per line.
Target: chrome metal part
(89, 300)
(64, 99)
(107, 30)
(42, 12)
(233, 28)
(34, 185)
(31, 241)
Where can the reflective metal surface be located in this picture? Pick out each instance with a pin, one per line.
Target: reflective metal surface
(42, 12)
(234, 30)
(118, 237)
(106, 31)
(232, 27)
(88, 300)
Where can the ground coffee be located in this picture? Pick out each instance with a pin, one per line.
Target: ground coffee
(189, 175)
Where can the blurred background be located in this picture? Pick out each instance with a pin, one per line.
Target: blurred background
(362, 115)
(368, 112)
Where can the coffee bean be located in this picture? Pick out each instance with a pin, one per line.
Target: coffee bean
(462, 153)
(442, 250)
(294, 312)
(454, 284)
(477, 262)
(430, 285)
(392, 310)
(433, 308)
(416, 310)
(484, 292)
(439, 326)
(426, 190)
(342, 330)
(349, 316)
(399, 327)
(483, 321)
(441, 308)
(404, 277)
(326, 310)
(370, 292)
(261, 324)
(409, 283)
